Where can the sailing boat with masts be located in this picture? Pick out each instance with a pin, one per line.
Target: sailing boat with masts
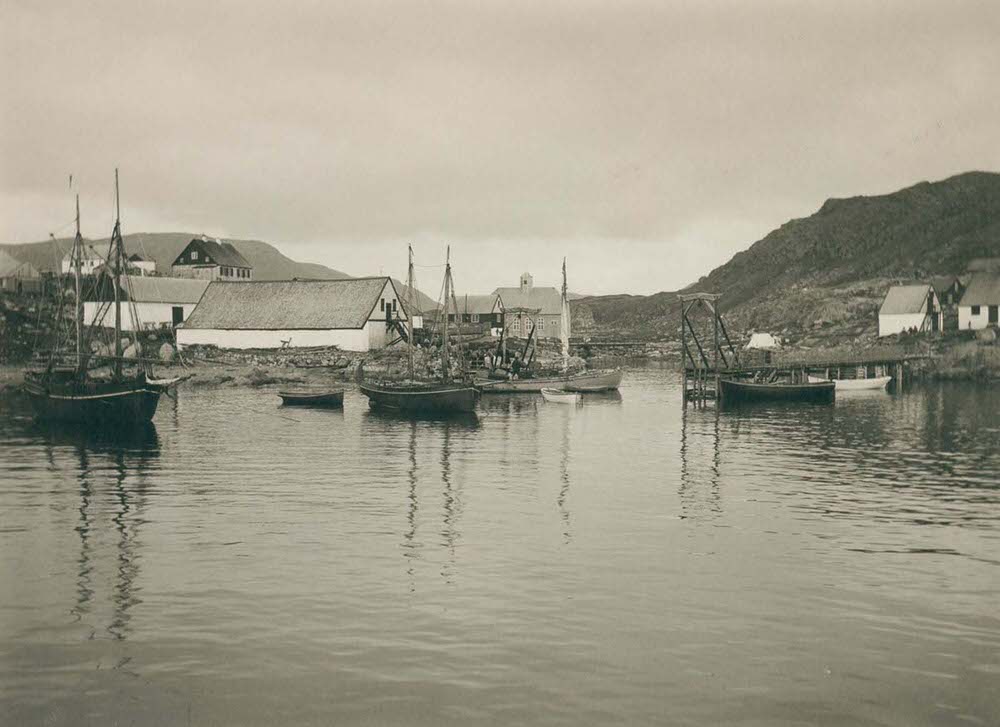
(67, 389)
(581, 381)
(446, 394)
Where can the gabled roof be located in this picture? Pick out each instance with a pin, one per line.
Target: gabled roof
(903, 299)
(222, 253)
(289, 304)
(983, 289)
(984, 265)
(146, 289)
(11, 267)
(479, 304)
(546, 300)
(942, 283)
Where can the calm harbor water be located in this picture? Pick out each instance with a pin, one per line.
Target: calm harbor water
(623, 562)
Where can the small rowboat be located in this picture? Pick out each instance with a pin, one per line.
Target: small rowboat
(333, 398)
(745, 391)
(558, 396)
(874, 383)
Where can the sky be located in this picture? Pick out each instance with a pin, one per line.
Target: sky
(646, 142)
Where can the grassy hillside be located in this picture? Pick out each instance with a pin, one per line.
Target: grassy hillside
(828, 272)
(164, 247)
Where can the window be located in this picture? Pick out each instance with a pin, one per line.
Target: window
(475, 318)
(541, 324)
(381, 305)
(177, 314)
(393, 305)
(975, 310)
(194, 254)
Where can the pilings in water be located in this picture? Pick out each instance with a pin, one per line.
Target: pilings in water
(715, 351)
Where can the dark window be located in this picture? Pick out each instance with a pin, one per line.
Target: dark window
(177, 312)
(381, 305)
(393, 305)
(994, 314)
(975, 310)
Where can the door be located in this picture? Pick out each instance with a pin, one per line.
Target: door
(994, 314)
(177, 313)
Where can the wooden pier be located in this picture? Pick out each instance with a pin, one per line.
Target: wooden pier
(708, 355)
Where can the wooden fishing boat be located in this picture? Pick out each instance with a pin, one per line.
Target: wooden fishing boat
(330, 398)
(72, 393)
(559, 396)
(447, 395)
(590, 381)
(733, 391)
(876, 383)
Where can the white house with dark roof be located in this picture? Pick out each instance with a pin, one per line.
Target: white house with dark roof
(211, 260)
(158, 302)
(90, 259)
(980, 304)
(909, 307)
(526, 305)
(356, 314)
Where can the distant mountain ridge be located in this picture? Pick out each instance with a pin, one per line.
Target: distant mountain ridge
(163, 247)
(836, 263)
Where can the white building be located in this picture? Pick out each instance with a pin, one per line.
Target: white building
(980, 304)
(157, 302)
(357, 314)
(909, 307)
(90, 260)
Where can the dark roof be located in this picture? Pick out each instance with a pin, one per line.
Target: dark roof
(146, 289)
(902, 299)
(984, 265)
(545, 300)
(983, 289)
(14, 268)
(222, 253)
(942, 283)
(289, 304)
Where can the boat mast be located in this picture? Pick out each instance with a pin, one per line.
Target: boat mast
(116, 242)
(409, 311)
(444, 326)
(77, 255)
(564, 323)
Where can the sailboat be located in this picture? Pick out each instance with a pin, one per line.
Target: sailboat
(446, 395)
(584, 381)
(67, 389)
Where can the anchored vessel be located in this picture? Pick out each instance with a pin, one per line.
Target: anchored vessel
(330, 398)
(443, 396)
(744, 391)
(78, 386)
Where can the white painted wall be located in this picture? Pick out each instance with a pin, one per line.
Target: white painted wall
(151, 315)
(356, 339)
(889, 325)
(967, 321)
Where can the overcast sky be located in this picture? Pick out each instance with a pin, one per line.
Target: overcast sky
(646, 141)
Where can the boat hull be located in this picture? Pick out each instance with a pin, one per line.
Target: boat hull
(741, 391)
(430, 399)
(560, 396)
(876, 383)
(328, 399)
(107, 404)
(585, 382)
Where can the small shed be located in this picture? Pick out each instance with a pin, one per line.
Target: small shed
(762, 342)
(17, 276)
(908, 308)
(980, 305)
(355, 314)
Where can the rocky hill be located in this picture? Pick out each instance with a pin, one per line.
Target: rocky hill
(825, 275)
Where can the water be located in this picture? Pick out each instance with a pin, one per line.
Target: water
(623, 562)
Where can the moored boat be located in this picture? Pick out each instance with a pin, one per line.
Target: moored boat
(876, 383)
(559, 396)
(733, 391)
(331, 398)
(66, 389)
(448, 394)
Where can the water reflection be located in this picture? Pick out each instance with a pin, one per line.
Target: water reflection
(564, 475)
(700, 462)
